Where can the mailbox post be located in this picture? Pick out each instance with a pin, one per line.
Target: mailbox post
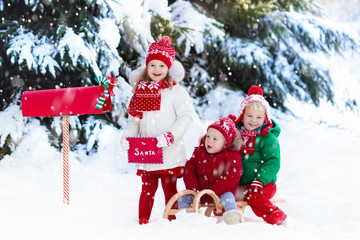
(65, 102)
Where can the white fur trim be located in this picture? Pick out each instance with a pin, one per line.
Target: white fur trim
(233, 217)
(176, 71)
(133, 76)
(255, 98)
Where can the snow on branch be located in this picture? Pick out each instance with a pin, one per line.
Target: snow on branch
(80, 52)
(202, 29)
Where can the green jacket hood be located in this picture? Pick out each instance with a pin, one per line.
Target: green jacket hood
(275, 129)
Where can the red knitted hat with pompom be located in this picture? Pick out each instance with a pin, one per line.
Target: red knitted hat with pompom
(227, 128)
(255, 94)
(162, 51)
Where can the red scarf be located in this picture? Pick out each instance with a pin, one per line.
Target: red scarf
(147, 97)
(248, 138)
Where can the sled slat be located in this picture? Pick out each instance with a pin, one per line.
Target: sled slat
(196, 206)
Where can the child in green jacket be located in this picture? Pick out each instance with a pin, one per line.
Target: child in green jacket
(260, 155)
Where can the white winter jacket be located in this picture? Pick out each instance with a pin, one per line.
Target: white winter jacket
(175, 115)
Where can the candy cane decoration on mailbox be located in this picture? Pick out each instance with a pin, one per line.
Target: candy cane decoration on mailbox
(66, 102)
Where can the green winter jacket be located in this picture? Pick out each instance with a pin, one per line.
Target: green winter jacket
(264, 164)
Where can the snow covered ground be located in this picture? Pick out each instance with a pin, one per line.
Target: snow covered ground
(318, 178)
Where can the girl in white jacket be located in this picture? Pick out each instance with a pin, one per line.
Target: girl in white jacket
(163, 109)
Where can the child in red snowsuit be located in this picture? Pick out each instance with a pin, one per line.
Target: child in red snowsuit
(216, 165)
(260, 155)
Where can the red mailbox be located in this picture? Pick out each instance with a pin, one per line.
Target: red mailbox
(65, 102)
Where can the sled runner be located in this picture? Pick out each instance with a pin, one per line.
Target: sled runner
(196, 205)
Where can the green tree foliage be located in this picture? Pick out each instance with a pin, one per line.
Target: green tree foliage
(276, 34)
(52, 44)
(45, 24)
(35, 52)
(273, 33)
(47, 44)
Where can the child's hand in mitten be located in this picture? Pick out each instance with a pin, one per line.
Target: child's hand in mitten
(255, 186)
(165, 140)
(125, 145)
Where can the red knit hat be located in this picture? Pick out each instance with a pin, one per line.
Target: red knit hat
(162, 51)
(255, 94)
(227, 128)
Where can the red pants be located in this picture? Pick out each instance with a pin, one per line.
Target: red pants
(150, 184)
(263, 207)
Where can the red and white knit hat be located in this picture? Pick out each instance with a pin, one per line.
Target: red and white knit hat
(255, 94)
(227, 128)
(162, 51)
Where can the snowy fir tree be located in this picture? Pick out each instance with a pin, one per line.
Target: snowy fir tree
(58, 44)
(268, 43)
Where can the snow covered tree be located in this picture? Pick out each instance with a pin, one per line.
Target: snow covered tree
(63, 43)
(269, 43)
(47, 44)
(54, 44)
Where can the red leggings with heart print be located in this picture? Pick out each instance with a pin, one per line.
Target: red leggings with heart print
(150, 184)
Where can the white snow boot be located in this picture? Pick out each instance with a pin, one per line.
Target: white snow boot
(233, 217)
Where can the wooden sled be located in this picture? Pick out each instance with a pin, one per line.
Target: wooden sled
(196, 205)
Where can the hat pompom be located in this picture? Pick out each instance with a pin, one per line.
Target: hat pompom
(255, 90)
(232, 117)
(165, 41)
